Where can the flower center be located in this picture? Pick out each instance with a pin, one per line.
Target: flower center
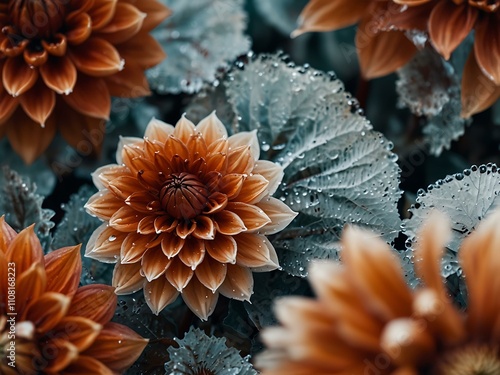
(183, 196)
(470, 360)
(36, 19)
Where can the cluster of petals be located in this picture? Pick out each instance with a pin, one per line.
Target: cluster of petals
(366, 320)
(187, 210)
(62, 60)
(385, 27)
(48, 325)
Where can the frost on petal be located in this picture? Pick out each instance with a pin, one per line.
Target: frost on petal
(200, 37)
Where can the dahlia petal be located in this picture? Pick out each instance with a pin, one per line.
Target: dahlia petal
(96, 57)
(63, 268)
(178, 274)
(124, 186)
(102, 176)
(238, 283)
(117, 346)
(254, 188)
(197, 148)
(280, 214)
(324, 15)
(159, 293)
(231, 185)
(79, 331)
(411, 2)
(165, 224)
(253, 217)
(48, 310)
(212, 129)
(211, 273)
(134, 145)
(150, 180)
(142, 51)
(216, 202)
(103, 204)
(21, 132)
(126, 23)
(154, 264)
(105, 244)
(217, 161)
(57, 46)
(126, 219)
(229, 223)
(272, 172)
(222, 248)
(174, 146)
(10, 49)
(17, 76)
(383, 285)
(146, 226)
(101, 13)
(487, 47)
(205, 228)
(218, 146)
(59, 75)
(24, 250)
(449, 25)
(240, 160)
(35, 58)
(383, 52)
(246, 139)
(90, 97)
(38, 103)
(156, 13)
(406, 18)
(66, 353)
(143, 201)
(256, 252)
(138, 163)
(86, 365)
(96, 302)
(127, 278)
(199, 299)
(131, 82)
(171, 245)
(185, 228)
(7, 235)
(184, 129)
(79, 27)
(331, 283)
(158, 130)
(479, 257)
(8, 105)
(192, 253)
(29, 285)
(133, 248)
(478, 91)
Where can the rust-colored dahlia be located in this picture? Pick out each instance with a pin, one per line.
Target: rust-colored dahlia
(61, 60)
(380, 52)
(448, 23)
(366, 320)
(186, 210)
(48, 325)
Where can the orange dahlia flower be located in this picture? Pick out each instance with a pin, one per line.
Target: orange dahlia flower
(186, 210)
(61, 60)
(448, 23)
(48, 325)
(380, 52)
(366, 320)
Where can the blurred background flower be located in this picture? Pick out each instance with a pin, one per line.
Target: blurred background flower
(59, 327)
(62, 60)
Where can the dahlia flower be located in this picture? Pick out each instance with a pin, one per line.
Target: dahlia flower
(187, 210)
(448, 23)
(61, 60)
(366, 320)
(48, 325)
(380, 52)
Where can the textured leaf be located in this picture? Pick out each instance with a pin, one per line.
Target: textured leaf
(75, 228)
(22, 206)
(337, 169)
(201, 354)
(199, 38)
(430, 87)
(466, 198)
